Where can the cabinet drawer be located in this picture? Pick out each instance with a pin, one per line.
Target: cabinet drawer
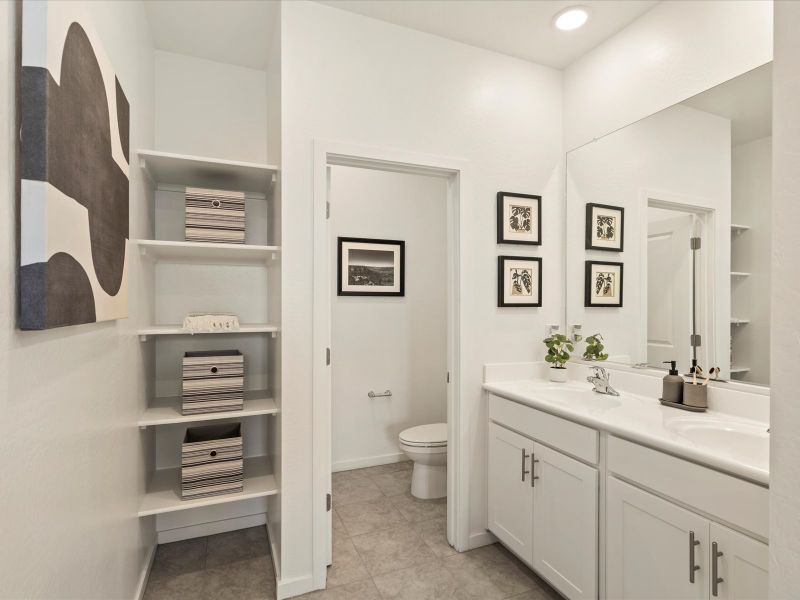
(571, 438)
(729, 498)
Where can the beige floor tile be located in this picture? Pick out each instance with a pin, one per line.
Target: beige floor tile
(422, 582)
(338, 527)
(416, 510)
(178, 558)
(251, 579)
(347, 565)
(434, 533)
(233, 546)
(394, 483)
(488, 574)
(359, 489)
(406, 465)
(359, 590)
(177, 587)
(363, 517)
(342, 476)
(392, 549)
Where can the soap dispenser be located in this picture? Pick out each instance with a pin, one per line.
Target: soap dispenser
(672, 390)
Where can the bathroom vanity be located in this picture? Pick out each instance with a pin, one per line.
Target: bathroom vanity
(620, 497)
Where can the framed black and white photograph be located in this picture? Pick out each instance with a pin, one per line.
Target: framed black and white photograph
(605, 227)
(369, 267)
(519, 219)
(519, 281)
(603, 284)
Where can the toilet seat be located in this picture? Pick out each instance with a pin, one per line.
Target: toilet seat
(425, 436)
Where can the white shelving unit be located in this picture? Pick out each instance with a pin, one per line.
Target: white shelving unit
(738, 370)
(737, 229)
(737, 321)
(167, 411)
(206, 253)
(739, 274)
(179, 330)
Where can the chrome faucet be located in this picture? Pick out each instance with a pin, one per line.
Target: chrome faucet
(600, 382)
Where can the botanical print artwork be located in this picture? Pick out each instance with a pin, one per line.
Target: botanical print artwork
(605, 227)
(370, 267)
(519, 281)
(603, 284)
(74, 169)
(519, 219)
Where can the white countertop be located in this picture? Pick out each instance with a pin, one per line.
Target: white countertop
(729, 443)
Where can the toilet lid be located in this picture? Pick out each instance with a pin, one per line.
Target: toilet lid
(434, 434)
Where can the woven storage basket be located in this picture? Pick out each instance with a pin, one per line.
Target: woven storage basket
(213, 381)
(212, 461)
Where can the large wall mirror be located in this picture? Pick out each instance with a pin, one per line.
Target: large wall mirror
(668, 234)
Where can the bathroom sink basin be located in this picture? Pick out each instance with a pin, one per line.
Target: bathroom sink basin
(744, 441)
(578, 395)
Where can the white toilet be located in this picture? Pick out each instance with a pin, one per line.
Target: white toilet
(426, 445)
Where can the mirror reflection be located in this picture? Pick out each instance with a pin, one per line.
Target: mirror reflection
(668, 234)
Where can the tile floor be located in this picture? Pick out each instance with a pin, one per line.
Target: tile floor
(386, 545)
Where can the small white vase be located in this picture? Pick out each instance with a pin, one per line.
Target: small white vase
(558, 375)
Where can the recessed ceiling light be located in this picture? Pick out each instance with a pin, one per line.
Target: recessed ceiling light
(571, 18)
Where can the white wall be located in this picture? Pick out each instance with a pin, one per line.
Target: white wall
(784, 488)
(414, 92)
(388, 343)
(672, 52)
(680, 152)
(750, 252)
(69, 397)
(207, 108)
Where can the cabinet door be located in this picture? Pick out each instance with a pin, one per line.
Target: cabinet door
(565, 522)
(510, 492)
(649, 553)
(742, 566)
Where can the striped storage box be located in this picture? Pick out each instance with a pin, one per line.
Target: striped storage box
(214, 216)
(212, 461)
(213, 381)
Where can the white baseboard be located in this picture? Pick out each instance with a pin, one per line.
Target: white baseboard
(369, 461)
(273, 547)
(484, 538)
(296, 586)
(145, 574)
(203, 529)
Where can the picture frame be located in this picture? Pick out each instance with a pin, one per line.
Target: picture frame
(519, 219)
(519, 281)
(370, 267)
(603, 284)
(605, 227)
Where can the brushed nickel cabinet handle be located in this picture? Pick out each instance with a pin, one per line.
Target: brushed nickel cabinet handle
(524, 458)
(692, 567)
(715, 578)
(533, 467)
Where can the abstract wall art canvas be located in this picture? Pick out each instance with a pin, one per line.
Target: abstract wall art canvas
(369, 267)
(519, 219)
(74, 173)
(519, 281)
(603, 284)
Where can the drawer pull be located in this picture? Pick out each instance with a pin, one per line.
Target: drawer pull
(692, 567)
(216, 203)
(214, 369)
(213, 453)
(533, 467)
(524, 458)
(715, 578)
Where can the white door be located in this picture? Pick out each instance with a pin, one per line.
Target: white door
(510, 491)
(669, 290)
(565, 522)
(649, 553)
(742, 568)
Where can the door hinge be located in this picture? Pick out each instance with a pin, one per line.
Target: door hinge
(327, 356)
(328, 502)
(327, 210)
(695, 340)
(694, 243)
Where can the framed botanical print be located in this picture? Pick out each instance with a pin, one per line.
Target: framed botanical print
(519, 219)
(605, 227)
(603, 284)
(519, 281)
(369, 267)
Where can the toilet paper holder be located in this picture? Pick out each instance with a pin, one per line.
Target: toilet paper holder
(386, 394)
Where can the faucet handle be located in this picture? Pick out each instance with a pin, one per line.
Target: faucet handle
(600, 372)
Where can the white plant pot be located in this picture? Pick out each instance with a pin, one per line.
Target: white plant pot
(558, 375)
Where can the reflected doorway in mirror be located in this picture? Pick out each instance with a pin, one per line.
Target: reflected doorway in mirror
(603, 284)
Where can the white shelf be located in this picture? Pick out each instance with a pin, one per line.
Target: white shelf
(163, 493)
(739, 370)
(735, 321)
(739, 228)
(167, 411)
(206, 252)
(178, 330)
(739, 274)
(199, 171)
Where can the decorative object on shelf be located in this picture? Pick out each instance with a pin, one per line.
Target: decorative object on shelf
(594, 348)
(370, 267)
(519, 219)
(605, 227)
(603, 284)
(519, 281)
(215, 216)
(210, 322)
(74, 166)
(212, 461)
(558, 348)
(213, 381)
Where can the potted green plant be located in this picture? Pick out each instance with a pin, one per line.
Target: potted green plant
(558, 348)
(594, 348)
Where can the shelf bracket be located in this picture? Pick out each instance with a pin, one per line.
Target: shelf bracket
(274, 178)
(273, 334)
(142, 338)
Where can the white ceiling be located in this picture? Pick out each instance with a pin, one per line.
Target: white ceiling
(236, 32)
(521, 28)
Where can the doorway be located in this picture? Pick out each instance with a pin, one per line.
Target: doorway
(453, 174)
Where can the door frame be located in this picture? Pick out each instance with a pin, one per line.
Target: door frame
(329, 153)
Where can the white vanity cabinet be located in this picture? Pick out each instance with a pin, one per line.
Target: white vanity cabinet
(542, 504)
(742, 565)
